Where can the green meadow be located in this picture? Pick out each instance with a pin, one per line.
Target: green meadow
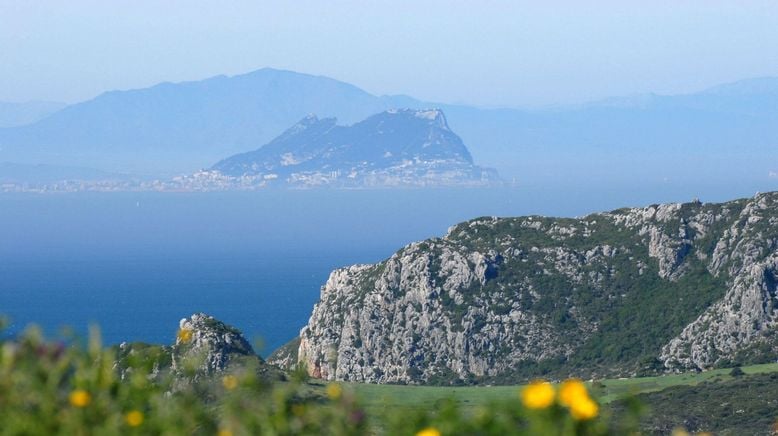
(377, 398)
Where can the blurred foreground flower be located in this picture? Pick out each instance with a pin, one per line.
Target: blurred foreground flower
(134, 418)
(538, 395)
(80, 398)
(571, 391)
(184, 335)
(574, 395)
(584, 409)
(230, 382)
(334, 391)
(429, 431)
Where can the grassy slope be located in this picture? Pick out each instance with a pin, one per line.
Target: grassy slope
(745, 405)
(379, 397)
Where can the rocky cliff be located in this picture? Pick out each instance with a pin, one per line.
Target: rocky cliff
(210, 343)
(204, 347)
(633, 291)
(393, 148)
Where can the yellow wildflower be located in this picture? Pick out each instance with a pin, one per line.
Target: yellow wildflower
(80, 398)
(571, 391)
(184, 335)
(230, 382)
(429, 431)
(584, 408)
(678, 431)
(134, 418)
(334, 391)
(224, 432)
(538, 395)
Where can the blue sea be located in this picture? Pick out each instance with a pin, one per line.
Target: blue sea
(136, 263)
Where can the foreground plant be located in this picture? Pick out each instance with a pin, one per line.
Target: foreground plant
(50, 388)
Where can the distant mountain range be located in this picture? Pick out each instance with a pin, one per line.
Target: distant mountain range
(19, 114)
(393, 148)
(725, 134)
(174, 128)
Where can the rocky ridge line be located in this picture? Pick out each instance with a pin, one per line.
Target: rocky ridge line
(502, 296)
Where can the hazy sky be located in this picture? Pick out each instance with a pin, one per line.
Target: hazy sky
(483, 52)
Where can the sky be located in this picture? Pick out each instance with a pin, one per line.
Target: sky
(488, 53)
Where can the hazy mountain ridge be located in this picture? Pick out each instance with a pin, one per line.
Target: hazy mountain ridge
(183, 126)
(19, 114)
(633, 291)
(171, 129)
(393, 148)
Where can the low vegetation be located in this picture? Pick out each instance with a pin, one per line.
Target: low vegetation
(50, 387)
(67, 387)
(376, 398)
(746, 405)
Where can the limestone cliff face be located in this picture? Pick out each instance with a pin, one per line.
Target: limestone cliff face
(649, 289)
(746, 253)
(210, 342)
(204, 347)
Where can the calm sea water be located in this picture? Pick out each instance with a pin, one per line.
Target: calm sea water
(142, 298)
(137, 263)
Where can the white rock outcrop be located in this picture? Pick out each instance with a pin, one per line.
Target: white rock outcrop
(475, 303)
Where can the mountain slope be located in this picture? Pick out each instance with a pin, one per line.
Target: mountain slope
(396, 147)
(183, 126)
(633, 291)
(19, 114)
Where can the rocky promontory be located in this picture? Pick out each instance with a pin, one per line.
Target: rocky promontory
(498, 300)
(204, 347)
